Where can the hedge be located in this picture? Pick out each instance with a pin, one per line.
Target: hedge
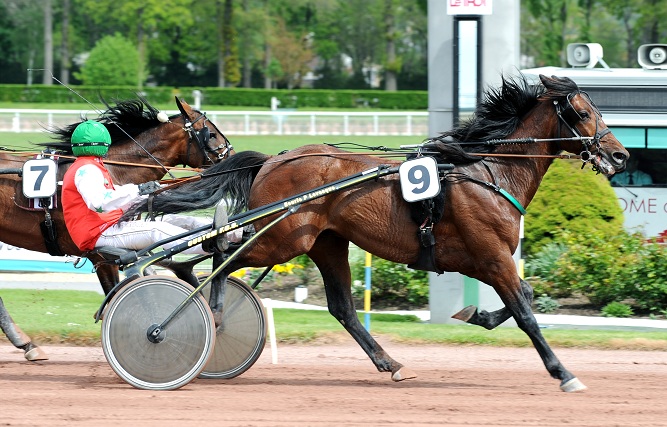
(573, 199)
(297, 98)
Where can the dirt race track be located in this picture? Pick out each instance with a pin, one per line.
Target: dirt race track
(336, 385)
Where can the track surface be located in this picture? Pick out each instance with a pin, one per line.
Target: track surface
(336, 385)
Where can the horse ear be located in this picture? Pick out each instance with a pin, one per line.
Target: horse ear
(181, 108)
(544, 79)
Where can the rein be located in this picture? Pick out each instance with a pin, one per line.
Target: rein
(111, 162)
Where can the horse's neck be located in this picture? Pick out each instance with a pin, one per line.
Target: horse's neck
(522, 175)
(134, 156)
(122, 174)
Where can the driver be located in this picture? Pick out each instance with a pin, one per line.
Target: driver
(92, 204)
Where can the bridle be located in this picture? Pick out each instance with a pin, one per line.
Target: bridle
(568, 116)
(202, 138)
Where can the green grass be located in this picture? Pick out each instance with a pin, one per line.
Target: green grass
(57, 316)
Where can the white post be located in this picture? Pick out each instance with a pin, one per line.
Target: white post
(196, 94)
(274, 103)
(272, 330)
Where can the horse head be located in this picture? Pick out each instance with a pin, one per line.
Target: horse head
(579, 117)
(213, 145)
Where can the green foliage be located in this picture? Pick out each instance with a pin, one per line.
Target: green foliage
(648, 287)
(542, 265)
(598, 265)
(544, 261)
(113, 61)
(609, 268)
(564, 203)
(617, 309)
(546, 304)
(392, 283)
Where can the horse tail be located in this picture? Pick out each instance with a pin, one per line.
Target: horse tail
(230, 179)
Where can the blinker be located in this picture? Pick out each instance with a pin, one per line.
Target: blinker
(570, 115)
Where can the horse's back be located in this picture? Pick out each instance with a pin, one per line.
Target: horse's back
(305, 168)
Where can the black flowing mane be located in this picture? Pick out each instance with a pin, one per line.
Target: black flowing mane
(501, 111)
(129, 117)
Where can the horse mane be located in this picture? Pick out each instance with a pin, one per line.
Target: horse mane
(126, 117)
(229, 180)
(496, 117)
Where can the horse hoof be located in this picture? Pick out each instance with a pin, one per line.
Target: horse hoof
(403, 373)
(573, 385)
(217, 318)
(465, 314)
(35, 354)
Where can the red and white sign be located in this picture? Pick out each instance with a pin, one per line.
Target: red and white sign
(469, 7)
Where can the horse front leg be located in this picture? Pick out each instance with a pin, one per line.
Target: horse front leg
(17, 337)
(330, 254)
(490, 320)
(511, 291)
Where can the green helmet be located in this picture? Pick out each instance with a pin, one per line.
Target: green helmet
(90, 138)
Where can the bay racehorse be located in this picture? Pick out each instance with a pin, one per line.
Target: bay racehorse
(144, 144)
(500, 155)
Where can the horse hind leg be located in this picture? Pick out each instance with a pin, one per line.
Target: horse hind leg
(490, 320)
(18, 338)
(217, 291)
(330, 255)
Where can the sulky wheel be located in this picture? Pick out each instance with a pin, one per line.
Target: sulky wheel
(241, 337)
(181, 350)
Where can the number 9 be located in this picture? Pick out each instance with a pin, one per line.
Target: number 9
(419, 176)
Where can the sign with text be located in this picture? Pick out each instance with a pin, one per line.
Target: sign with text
(644, 209)
(469, 7)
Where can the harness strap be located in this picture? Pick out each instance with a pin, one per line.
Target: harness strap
(50, 234)
(426, 256)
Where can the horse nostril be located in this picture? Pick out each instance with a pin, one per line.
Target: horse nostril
(620, 157)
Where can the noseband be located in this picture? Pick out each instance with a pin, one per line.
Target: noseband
(568, 116)
(203, 136)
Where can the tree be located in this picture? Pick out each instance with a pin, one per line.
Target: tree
(392, 64)
(64, 44)
(141, 19)
(113, 61)
(230, 69)
(293, 52)
(48, 42)
(251, 20)
(547, 40)
(26, 17)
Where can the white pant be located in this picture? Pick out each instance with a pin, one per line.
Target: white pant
(140, 234)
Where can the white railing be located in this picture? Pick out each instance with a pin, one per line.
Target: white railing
(280, 122)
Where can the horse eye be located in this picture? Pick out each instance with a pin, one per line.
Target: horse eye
(584, 114)
(212, 134)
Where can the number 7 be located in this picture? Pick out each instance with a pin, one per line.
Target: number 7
(43, 169)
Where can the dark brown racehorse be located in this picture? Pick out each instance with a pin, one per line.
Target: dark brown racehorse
(142, 146)
(509, 144)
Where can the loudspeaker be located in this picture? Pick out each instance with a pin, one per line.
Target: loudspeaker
(584, 54)
(652, 56)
